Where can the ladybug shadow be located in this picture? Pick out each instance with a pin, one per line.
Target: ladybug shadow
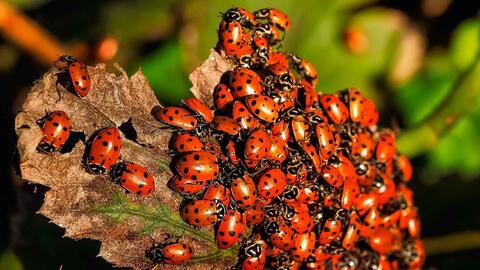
(64, 79)
(73, 139)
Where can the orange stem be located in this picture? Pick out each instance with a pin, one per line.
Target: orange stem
(29, 35)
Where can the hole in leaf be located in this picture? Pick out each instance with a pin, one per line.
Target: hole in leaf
(129, 131)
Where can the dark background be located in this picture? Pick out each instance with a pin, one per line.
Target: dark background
(438, 39)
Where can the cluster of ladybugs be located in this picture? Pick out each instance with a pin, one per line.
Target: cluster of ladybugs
(103, 148)
(298, 179)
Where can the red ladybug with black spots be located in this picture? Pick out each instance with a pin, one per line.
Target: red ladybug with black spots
(78, 74)
(103, 150)
(172, 253)
(56, 130)
(134, 178)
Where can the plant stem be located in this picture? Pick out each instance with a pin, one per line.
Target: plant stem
(452, 243)
(461, 100)
(189, 230)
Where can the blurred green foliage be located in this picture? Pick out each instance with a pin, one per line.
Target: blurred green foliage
(9, 261)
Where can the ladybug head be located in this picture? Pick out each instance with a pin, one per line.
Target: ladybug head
(117, 170)
(272, 227)
(232, 15)
(253, 250)
(261, 13)
(45, 147)
(221, 210)
(246, 61)
(95, 169)
(155, 254)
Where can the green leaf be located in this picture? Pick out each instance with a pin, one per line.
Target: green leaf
(9, 261)
(418, 98)
(465, 43)
(160, 217)
(457, 151)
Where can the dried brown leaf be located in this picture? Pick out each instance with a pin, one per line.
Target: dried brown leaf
(115, 99)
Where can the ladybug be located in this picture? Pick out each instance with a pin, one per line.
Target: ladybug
(274, 16)
(217, 192)
(331, 231)
(56, 129)
(278, 152)
(325, 139)
(241, 15)
(200, 165)
(243, 116)
(232, 152)
(365, 202)
(272, 183)
(281, 130)
(385, 189)
(232, 226)
(186, 142)
(262, 49)
(202, 213)
(103, 150)
(243, 191)
(332, 176)
(381, 241)
(186, 186)
(352, 232)
(134, 178)
(226, 125)
(172, 253)
(301, 221)
(304, 246)
(306, 70)
(355, 101)
(221, 96)
(362, 145)
(256, 214)
(371, 221)
(386, 146)
(263, 107)
(351, 190)
(285, 99)
(336, 110)
(307, 194)
(253, 255)
(414, 254)
(245, 57)
(283, 76)
(405, 167)
(268, 31)
(231, 37)
(278, 58)
(280, 234)
(312, 153)
(301, 128)
(257, 145)
(213, 147)
(199, 108)
(245, 82)
(411, 222)
(370, 113)
(308, 96)
(79, 76)
(175, 116)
